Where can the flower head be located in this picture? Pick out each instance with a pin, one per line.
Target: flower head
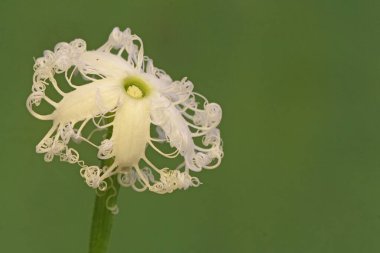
(124, 91)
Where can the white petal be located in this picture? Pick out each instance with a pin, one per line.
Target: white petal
(167, 116)
(89, 100)
(103, 63)
(131, 131)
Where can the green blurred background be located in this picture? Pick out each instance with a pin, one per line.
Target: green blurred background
(299, 84)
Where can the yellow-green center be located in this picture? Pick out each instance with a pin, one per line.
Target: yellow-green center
(135, 87)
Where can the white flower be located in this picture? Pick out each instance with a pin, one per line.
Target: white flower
(131, 96)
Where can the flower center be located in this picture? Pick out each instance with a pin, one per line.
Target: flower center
(135, 87)
(134, 92)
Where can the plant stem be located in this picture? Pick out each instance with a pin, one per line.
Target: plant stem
(103, 214)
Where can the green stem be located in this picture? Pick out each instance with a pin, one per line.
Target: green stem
(102, 218)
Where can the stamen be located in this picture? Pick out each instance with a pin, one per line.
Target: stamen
(134, 92)
(136, 87)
